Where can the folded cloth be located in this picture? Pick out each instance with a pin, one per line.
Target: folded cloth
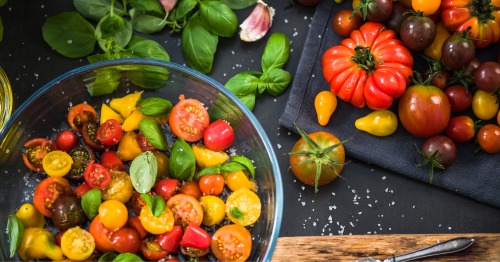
(474, 174)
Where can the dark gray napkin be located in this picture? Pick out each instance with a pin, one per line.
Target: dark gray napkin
(476, 175)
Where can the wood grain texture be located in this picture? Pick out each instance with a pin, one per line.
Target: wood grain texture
(486, 247)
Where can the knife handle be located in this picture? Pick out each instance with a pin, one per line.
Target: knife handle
(446, 247)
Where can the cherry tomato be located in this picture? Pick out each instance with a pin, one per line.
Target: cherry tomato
(80, 114)
(67, 212)
(57, 163)
(189, 119)
(243, 207)
(484, 105)
(89, 135)
(461, 128)
(128, 148)
(144, 144)
(81, 190)
(30, 216)
(156, 225)
(152, 251)
(399, 13)
(375, 10)
(214, 210)
(196, 241)
(231, 241)
(47, 191)
(459, 97)
(206, 157)
(37, 149)
(110, 132)
(66, 140)
(186, 210)
(119, 188)
(113, 214)
(101, 235)
(212, 184)
(417, 32)
(438, 151)
(135, 223)
(126, 240)
(162, 164)
(424, 110)
(343, 24)
(218, 136)
(167, 187)
(434, 49)
(425, 6)
(488, 138)
(81, 155)
(110, 160)
(191, 188)
(487, 77)
(97, 176)
(237, 180)
(77, 244)
(171, 239)
(457, 51)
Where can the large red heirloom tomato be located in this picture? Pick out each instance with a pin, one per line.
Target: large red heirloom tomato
(482, 16)
(370, 68)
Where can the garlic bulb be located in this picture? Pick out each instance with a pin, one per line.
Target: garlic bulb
(257, 23)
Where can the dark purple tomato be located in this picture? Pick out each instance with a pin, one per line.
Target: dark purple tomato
(417, 32)
(67, 212)
(399, 13)
(457, 51)
(373, 10)
(81, 155)
(343, 24)
(487, 77)
(460, 98)
(461, 129)
(438, 152)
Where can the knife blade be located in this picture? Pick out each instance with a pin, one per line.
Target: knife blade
(446, 247)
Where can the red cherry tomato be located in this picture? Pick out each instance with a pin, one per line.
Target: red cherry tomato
(66, 140)
(195, 241)
(218, 136)
(186, 209)
(97, 176)
(189, 119)
(126, 240)
(81, 190)
(152, 251)
(167, 187)
(461, 129)
(488, 138)
(191, 188)
(212, 184)
(110, 132)
(101, 235)
(47, 191)
(80, 114)
(170, 240)
(135, 223)
(143, 143)
(459, 97)
(37, 149)
(110, 160)
(343, 24)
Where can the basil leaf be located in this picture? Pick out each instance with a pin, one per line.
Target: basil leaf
(3, 2)
(108, 256)
(145, 22)
(90, 203)
(245, 162)
(209, 171)
(199, 45)
(69, 34)
(106, 81)
(182, 162)
(127, 257)
(244, 86)
(148, 5)
(218, 18)
(276, 80)
(147, 48)
(232, 167)
(151, 130)
(97, 9)
(238, 4)
(154, 106)
(148, 200)
(113, 28)
(158, 206)
(276, 52)
(15, 229)
(236, 213)
(143, 171)
(182, 8)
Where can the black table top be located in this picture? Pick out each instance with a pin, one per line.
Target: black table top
(369, 200)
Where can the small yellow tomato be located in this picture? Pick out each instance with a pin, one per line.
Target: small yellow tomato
(30, 216)
(214, 210)
(237, 180)
(378, 123)
(206, 157)
(57, 163)
(77, 244)
(156, 225)
(131, 123)
(243, 207)
(108, 113)
(113, 213)
(125, 105)
(128, 148)
(484, 105)
(434, 50)
(120, 188)
(325, 104)
(426, 6)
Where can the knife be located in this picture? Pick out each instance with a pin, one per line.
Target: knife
(446, 247)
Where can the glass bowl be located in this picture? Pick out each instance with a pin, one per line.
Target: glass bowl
(5, 98)
(45, 111)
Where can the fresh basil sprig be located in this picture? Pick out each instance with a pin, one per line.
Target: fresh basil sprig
(154, 106)
(15, 228)
(152, 131)
(273, 79)
(143, 171)
(156, 204)
(182, 162)
(237, 163)
(90, 203)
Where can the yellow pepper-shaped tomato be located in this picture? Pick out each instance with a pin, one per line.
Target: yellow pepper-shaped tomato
(206, 157)
(325, 104)
(378, 123)
(39, 243)
(30, 216)
(434, 50)
(128, 148)
(108, 113)
(125, 105)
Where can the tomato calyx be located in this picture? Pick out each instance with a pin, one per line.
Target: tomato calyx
(482, 10)
(364, 58)
(318, 155)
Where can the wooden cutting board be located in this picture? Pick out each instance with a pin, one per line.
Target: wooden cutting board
(486, 247)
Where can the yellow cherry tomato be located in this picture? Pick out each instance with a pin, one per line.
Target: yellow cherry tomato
(428, 7)
(77, 244)
(113, 214)
(162, 163)
(128, 148)
(120, 188)
(378, 123)
(125, 105)
(57, 163)
(214, 210)
(237, 180)
(434, 50)
(484, 105)
(108, 113)
(132, 121)
(243, 207)
(206, 157)
(157, 225)
(30, 216)
(325, 104)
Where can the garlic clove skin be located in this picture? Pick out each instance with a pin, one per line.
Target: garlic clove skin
(257, 23)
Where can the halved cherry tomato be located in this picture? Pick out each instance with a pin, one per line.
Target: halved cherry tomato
(218, 136)
(97, 176)
(144, 144)
(230, 242)
(196, 241)
(57, 163)
(119, 188)
(167, 187)
(156, 225)
(66, 140)
(37, 149)
(110, 132)
(81, 155)
(162, 163)
(89, 135)
(110, 160)
(126, 240)
(128, 148)
(189, 119)
(77, 244)
(171, 239)
(488, 138)
(212, 184)
(191, 188)
(186, 210)
(113, 214)
(81, 190)
(80, 114)
(206, 157)
(237, 180)
(47, 191)
(243, 207)
(135, 223)
(152, 251)
(101, 235)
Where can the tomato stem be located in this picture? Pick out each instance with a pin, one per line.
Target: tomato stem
(364, 58)
(482, 10)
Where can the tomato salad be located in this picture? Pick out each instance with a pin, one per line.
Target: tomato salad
(113, 188)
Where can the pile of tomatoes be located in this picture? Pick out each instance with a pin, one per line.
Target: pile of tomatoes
(112, 186)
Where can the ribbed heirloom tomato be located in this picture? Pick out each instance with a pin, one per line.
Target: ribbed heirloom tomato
(370, 68)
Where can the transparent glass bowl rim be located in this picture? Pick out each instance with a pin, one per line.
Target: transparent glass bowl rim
(193, 73)
(7, 99)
